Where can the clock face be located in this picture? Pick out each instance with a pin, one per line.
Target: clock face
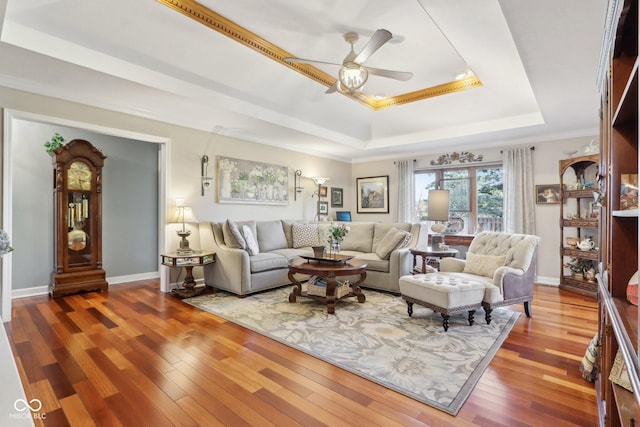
(79, 176)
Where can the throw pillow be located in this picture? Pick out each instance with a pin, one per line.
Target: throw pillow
(239, 242)
(252, 245)
(305, 235)
(394, 239)
(483, 265)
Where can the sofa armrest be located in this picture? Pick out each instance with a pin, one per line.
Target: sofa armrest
(514, 282)
(232, 269)
(400, 263)
(454, 265)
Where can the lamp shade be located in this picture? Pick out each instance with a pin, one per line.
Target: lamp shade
(182, 214)
(319, 180)
(438, 205)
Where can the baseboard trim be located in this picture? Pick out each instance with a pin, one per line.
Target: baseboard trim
(133, 278)
(548, 281)
(117, 280)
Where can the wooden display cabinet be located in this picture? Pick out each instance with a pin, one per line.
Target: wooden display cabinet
(576, 213)
(618, 319)
(77, 189)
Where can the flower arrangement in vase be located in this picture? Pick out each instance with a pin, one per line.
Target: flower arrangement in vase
(337, 233)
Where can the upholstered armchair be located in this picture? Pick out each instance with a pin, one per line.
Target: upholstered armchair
(504, 263)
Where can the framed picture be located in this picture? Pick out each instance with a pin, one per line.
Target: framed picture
(323, 191)
(245, 181)
(373, 194)
(547, 194)
(323, 208)
(336, 197)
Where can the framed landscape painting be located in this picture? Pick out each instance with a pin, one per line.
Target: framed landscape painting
(373, 194)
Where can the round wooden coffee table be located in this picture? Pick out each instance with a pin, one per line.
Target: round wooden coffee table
(329, 271)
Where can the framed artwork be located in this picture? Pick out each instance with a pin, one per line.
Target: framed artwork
(336, 197)
(547, 194)
(323, 191)
(323, 208)
(244, 181)
(373, 194)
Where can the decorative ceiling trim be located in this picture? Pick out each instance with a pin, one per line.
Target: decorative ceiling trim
(219, 23)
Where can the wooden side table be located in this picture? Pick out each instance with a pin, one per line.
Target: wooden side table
(427, 254)
(188, 261)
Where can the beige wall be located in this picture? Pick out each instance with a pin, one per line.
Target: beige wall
(545, 159)
(187, 146)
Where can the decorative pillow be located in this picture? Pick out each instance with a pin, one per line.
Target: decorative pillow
(394, 239)
(305, 235)
(235, 232)
(619, 374)
(588, 366)
(252, 245)
(483, 265)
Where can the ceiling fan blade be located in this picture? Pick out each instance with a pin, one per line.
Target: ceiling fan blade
(397, 75)
(379, 38)
(333, 88)
(308, 61)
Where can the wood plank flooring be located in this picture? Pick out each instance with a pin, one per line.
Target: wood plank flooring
(134, 356)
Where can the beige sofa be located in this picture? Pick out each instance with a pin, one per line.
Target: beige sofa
(242, 273)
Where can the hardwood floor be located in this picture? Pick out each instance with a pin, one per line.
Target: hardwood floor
(134, 356)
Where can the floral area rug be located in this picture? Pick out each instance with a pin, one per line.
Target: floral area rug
(377, 339)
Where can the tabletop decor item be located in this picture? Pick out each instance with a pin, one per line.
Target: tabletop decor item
(54, 143)
(337, 233)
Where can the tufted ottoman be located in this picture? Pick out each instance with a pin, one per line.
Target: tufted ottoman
(444, 294)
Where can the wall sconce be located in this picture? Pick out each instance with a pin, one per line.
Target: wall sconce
(206, 181)
(297, 188)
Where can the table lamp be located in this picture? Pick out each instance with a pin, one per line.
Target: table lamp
(183, 214)
(438, 211)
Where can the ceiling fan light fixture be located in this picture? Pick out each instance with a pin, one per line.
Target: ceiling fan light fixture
(352, 76)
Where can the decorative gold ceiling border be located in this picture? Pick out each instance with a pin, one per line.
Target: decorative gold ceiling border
(219, 23)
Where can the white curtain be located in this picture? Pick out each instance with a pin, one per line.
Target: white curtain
(519, 191)
(406, 192)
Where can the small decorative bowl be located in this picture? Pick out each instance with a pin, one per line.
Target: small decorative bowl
(572, 241)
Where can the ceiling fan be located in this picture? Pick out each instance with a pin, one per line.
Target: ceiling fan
(352, 74)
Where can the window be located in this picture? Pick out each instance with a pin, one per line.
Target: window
(475, 195)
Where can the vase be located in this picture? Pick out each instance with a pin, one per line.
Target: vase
(334, 248)
(318, 251)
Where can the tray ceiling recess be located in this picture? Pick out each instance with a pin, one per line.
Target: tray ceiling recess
(227, 27)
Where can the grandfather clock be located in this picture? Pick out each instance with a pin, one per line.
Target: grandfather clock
(77, 190)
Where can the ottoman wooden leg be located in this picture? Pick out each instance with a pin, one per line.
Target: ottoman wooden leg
(409, 308)
(471, 314)
(445, 321)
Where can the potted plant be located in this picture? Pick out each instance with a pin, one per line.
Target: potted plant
(575, 266)
(54, 143)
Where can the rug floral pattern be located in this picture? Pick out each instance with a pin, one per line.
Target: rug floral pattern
(377, 339)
